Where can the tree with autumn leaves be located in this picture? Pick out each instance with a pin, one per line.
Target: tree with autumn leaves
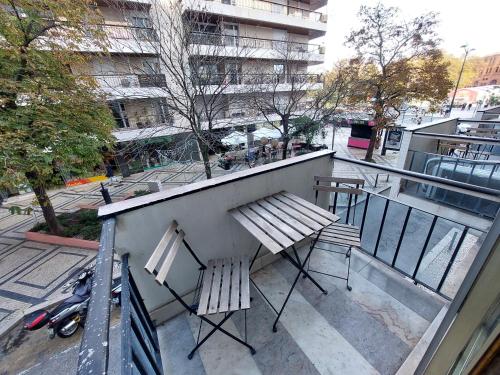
(399, 62)
(50, 120)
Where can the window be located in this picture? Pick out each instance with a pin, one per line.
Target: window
(119, 114)
(496, 70)
(151, 67)
(142, 27)
(231, 32)
(162, 111)
(233, 72)
(279, 73)
(208, 74)
(279, 69)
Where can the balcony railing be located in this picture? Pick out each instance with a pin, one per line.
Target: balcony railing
(250, 42)
(260, 79)
(130, 80)
(277, 8)
(129, 32)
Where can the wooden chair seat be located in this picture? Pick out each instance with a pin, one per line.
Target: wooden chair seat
(226, 286)
(341, 234)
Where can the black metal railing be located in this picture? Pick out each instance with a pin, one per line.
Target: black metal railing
(152, 80)
(94, 348)
(127, 80)
(129, 32)
(139, 342)
(277, 8)
(401, 235)
(258, 79)
(219, 39)
(140, 350)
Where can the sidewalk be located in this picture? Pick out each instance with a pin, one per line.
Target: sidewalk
(32, 273)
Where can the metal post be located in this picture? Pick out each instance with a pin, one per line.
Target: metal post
(452, 259)
(105, 194)
(381, 227)
(467, 50)
(364, 215)
(431, 229)
(401, 236)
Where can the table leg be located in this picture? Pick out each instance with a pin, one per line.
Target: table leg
(301, 270)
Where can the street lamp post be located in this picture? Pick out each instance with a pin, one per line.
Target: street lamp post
(467, 50)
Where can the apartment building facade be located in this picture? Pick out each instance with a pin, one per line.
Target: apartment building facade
(132, 77)
(489, 73)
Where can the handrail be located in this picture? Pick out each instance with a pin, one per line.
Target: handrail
(94, 348)
(457, 186)
(453, 137)
(454, 159)
(259, 78)
(479, 229)
(248, 4)
(480, 121)
(255, 38)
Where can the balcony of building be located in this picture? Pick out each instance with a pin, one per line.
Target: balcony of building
(131, 86)
(123, 39)
(266, 13)
(462, 150)
(241, 83)
(207, 44)
(410, 263)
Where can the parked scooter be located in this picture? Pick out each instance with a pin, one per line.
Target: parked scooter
(65, 319)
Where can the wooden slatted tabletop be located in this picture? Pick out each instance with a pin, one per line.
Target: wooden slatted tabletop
(282, 220)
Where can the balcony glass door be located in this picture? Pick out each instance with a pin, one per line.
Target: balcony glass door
(233, 73)
(231, 32)
(279, 40)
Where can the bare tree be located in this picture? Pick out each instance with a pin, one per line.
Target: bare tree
(341, 92)
(194, 71)
(400, 62)
(286, 92)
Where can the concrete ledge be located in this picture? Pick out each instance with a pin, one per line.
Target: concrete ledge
(410, 364)
(61, 241)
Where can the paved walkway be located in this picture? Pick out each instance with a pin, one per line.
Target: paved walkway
(32, 273)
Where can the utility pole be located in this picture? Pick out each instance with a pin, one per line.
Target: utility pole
(467, 50)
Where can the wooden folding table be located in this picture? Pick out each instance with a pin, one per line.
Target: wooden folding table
(280, 222)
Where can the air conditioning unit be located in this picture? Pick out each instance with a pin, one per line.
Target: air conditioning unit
(323, 18)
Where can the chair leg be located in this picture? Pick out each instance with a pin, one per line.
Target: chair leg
(218, 327)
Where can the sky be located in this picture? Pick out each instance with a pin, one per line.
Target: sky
(473, 22)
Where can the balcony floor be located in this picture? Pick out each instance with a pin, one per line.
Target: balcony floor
(370, 330)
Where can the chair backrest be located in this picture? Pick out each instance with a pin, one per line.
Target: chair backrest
(338, 189)
(167, 250)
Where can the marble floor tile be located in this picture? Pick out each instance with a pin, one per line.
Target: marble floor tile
(221, 354)
(174, 352)
(325, 347)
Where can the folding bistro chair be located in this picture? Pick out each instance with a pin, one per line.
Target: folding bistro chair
(343, 235)
(223, 285)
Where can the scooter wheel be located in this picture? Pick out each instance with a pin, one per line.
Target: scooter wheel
(63, 331)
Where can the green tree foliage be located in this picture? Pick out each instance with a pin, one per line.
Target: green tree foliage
(400, 62)
(306, 127)
(49, 119)
(471, 69)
